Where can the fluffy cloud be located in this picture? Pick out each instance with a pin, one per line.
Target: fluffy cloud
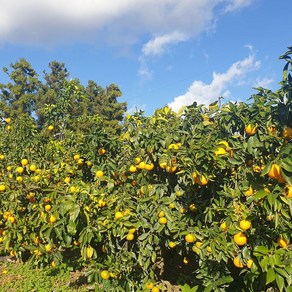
(42, 23)
(204, 93)
(157, 45)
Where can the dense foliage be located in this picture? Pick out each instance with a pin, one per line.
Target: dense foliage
(199, 199)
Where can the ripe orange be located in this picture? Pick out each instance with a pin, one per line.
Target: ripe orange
(8, 120)
(202, 181)
(190, 238)
(173, 146)
(101, 203)
(99, 173)
(272, 130)
(149, 285)
(19, 170)
(161, 214)
(67, 180)
(192, 208)
(89, 163)
(199, 244)
(237, 263)
(48, 248)
(119, 215)
(223, 226)
(250, 130)
(50, 127)
(155, 289)
(11, 219)
(101, 151)
(149, 166)
(163, 165)
(76, 156)
(249, 263)
(130, 236)
(133, 168)
(275, 171)
(249, 192)
(171, 244)
(288, 191)
(52, 219)
(24, 162)
(245, 224)
(48, 207)
(287, 133)
(141, 165)
(2, 188)
(105, 274)
(32, 167)
(282, 242)
(220, 151)
(89, 252)
(240, 238)
(132, 230)
(137, 160)
(162, 220)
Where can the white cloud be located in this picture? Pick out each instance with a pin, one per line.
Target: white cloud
(119, 22)
(264, 82)
(157, 45)
(204, 93)
(236, 5)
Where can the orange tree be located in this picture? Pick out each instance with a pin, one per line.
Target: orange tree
(201, 198)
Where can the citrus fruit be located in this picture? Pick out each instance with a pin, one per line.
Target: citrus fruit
(101, 151)
(249, 263)
(52, 219)
(223, 226)
(190, 238)
(19, 170)
(119, 215)
(237, 263)
(24, 162)
(244, 224)
(162, 220)
(99, 173)
(250, 130)
(48, 248)
(171, 244)
(249, 191)
(133, 168)
(240, 238)
(220, 151)
(105, 274)
(130, 236)
(275, 171)
(282, 242)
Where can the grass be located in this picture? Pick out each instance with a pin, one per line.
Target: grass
(21, 277)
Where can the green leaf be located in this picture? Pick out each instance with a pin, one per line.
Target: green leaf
(143, 236)
(261, 250)
(270, 276)
(280, 282)
(234, 161)
(260, 194)
(287, 164)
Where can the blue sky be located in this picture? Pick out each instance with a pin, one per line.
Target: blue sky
(158, 52)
